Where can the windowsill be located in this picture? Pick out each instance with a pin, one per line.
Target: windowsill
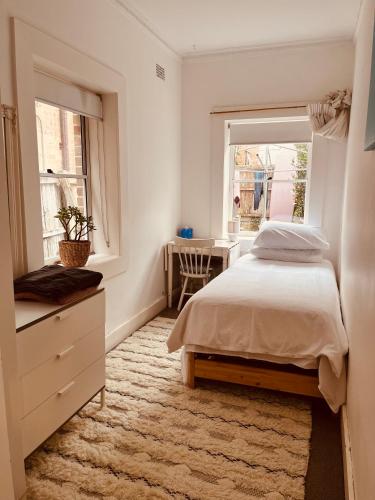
(246, 242)
(98, 259)
(247, 237)
(108, 265)
(244, 235)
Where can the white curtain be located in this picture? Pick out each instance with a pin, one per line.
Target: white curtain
(9, 154)
(330, 118)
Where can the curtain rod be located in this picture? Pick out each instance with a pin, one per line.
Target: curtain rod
(255, 109)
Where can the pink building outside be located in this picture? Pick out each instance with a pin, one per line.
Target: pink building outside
(282, 199)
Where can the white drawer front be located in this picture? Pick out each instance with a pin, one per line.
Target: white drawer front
(38, 425)
(47, 378)
(40, 342)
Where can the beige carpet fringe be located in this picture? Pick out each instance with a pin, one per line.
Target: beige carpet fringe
(157, 439)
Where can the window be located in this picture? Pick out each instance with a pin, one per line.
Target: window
(63, 169)
(269, 167)
(52, 73)
(268, 181)
(69, 126)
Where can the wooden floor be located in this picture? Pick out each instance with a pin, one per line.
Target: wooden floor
(325, 476)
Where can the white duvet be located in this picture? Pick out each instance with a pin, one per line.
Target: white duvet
(271, 310)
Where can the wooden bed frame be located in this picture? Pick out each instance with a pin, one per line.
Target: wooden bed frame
(285, 378)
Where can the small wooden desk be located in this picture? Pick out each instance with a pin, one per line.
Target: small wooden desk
(229, 251)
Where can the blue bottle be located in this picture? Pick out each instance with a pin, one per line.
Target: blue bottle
(186, 232)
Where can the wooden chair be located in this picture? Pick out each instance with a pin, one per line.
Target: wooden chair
(195, 257)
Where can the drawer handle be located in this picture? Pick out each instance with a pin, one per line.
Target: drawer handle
(64, 353)
(62, 315)
(65, 389)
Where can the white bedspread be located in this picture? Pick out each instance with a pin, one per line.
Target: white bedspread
(286, 310)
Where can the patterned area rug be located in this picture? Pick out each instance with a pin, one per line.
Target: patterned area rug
(157, 439)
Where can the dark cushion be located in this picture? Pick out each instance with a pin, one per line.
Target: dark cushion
(55, 283)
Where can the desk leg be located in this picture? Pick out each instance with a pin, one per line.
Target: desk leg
(102, 398)
(225, 260)
(170, 277)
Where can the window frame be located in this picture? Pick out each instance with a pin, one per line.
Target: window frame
(220, 118)
(35, 49)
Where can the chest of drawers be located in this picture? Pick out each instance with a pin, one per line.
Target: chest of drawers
(61, 363)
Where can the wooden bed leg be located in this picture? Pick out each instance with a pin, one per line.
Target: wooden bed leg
(190, 370)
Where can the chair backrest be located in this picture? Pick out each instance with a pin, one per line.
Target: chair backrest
(194, 254)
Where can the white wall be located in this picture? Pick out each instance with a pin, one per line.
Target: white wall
(104, 31)
(281, 75)
(327, 188)
(358, 268)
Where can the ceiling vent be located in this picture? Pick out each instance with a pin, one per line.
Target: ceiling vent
(160, 72)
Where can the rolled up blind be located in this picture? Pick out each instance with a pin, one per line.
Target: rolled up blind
(57, 92)
(271, 132)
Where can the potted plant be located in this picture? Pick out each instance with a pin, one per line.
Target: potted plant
(74, 249)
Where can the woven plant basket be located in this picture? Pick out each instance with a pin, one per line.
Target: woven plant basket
(74, 253)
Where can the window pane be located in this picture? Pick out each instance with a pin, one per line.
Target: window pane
(56, 193)
(269, 183)
(60, 151)
(59, 140)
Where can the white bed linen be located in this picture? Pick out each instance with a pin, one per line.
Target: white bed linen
(270, 309)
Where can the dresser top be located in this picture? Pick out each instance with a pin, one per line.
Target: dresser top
(29, 312)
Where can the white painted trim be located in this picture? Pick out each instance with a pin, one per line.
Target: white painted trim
(128, 7)
(256, 50)
(135, 322)
(347, 456)
(357, 24)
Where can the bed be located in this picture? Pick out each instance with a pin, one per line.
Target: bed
(284, 317)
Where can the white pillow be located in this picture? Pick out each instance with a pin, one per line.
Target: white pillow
(287, 255)
(273, 234)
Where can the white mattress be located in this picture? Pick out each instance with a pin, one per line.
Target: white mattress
(271, 310)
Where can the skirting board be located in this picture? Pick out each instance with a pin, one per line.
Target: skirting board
(347, 456)
(132, 324)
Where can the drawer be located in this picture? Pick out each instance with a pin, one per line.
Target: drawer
(43, 340)
(38, 425)
(63, 366)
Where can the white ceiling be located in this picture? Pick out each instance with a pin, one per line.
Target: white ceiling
(199, 26)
